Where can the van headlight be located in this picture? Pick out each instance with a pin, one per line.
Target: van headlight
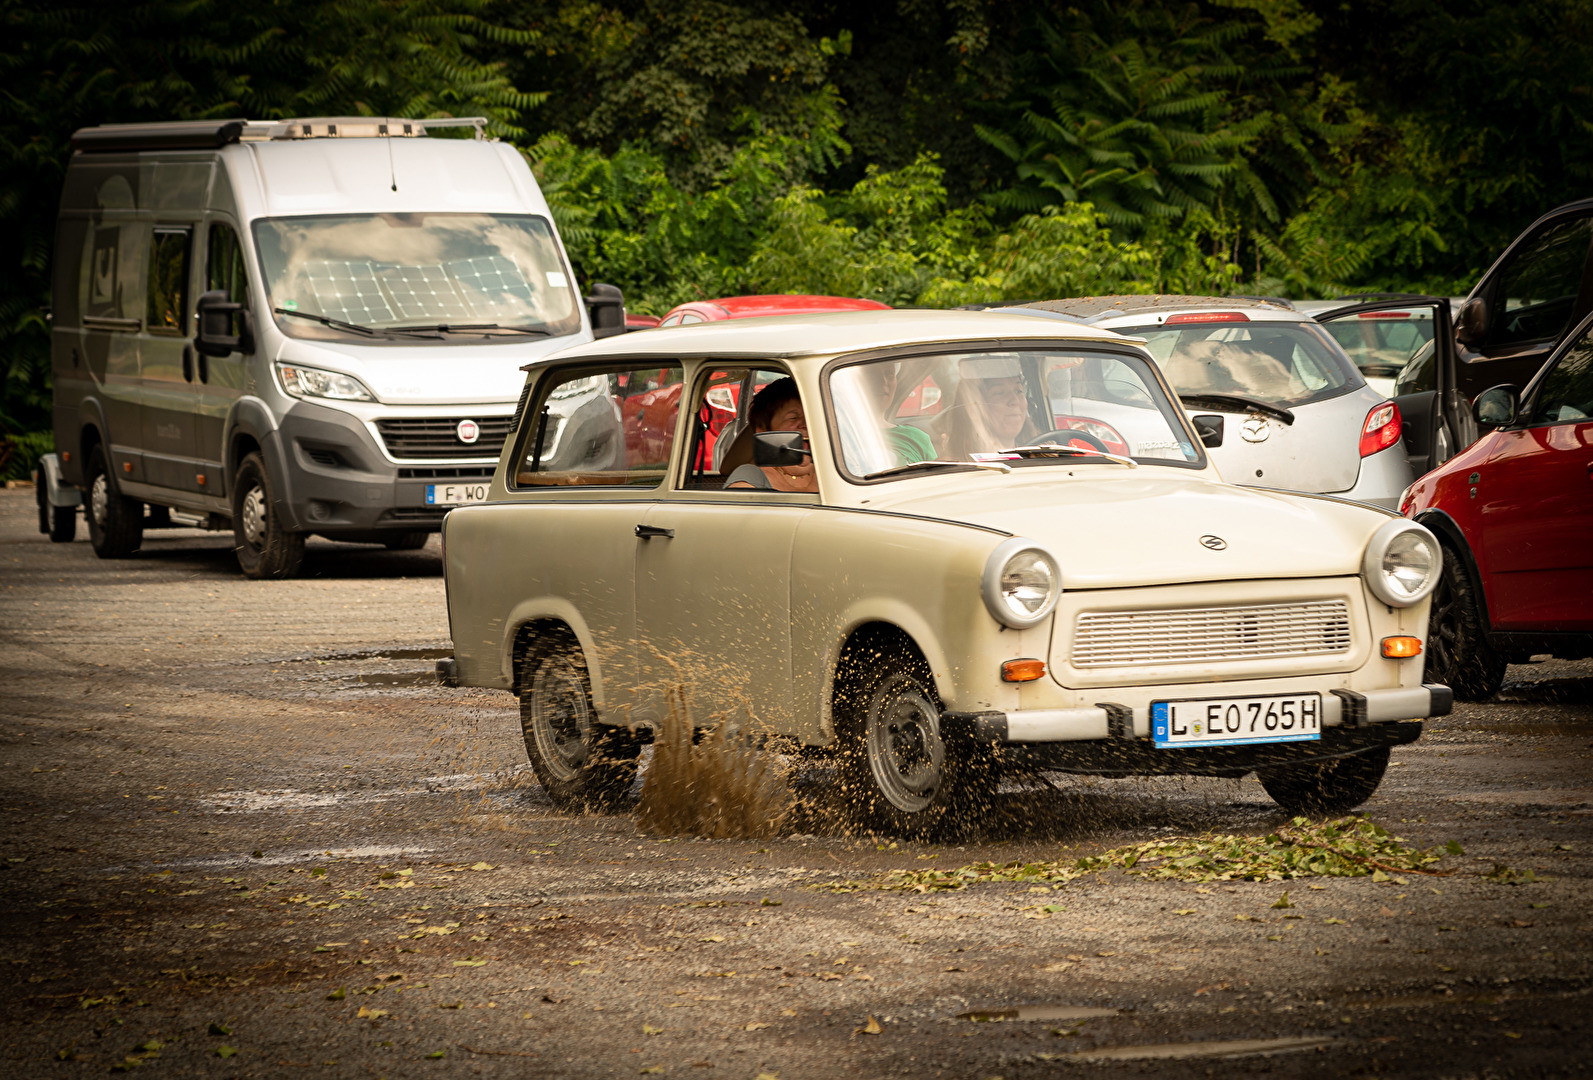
(303, 381)
(1021, 583)
(1402, 563)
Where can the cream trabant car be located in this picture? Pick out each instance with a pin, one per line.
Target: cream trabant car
(892, 534)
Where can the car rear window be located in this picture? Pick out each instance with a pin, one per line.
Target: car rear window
(1286, 363)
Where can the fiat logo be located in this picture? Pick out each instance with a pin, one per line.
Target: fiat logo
(1215, 543)
(468, 431)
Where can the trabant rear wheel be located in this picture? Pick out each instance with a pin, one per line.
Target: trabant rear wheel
(1336, 786)
(1458, 653)
(115, 522)
(901, 774)
(265, 548)
(580, 763)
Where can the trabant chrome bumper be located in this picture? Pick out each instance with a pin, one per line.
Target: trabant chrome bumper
(1340, 708)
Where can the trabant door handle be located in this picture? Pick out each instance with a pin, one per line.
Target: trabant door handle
(647, 532)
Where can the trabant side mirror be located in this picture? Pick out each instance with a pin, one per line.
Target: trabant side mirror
(607, 308)
(1209, 427)
(775, 448)
(215, 314)
(1471, 325)
(1497, 406)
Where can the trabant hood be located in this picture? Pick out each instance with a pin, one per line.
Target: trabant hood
(430, 374)
(1145, 527)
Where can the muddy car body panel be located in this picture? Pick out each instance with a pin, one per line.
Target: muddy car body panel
(1158, 582)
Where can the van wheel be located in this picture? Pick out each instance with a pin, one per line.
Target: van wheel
(264, 548)
(115, 523)
(580, 763)
(57, 522)
(407, 541)
(1458, 653)
(1332, 787)
(901, 774)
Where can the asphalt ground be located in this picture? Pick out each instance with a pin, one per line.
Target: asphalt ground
(245, 835)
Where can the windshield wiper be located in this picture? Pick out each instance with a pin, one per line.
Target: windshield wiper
(465, 328)
(993, 466)
(1243, 401)
(339, 324)
(1044, 449)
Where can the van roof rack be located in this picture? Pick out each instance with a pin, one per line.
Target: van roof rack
(210, 134)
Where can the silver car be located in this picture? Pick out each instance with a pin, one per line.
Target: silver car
(1274, 397)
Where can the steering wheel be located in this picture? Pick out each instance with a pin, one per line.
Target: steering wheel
(1065, 436)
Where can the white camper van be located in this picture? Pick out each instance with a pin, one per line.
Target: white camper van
(307, 326)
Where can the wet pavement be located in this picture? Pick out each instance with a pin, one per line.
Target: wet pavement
(246, 835)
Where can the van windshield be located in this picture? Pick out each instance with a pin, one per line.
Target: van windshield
(385, 272)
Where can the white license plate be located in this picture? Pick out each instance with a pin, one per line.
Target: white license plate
(1230, 721)
(456, 494)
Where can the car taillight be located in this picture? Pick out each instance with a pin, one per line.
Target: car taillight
(1206, 317)
(1114, 443)
(1381, 430)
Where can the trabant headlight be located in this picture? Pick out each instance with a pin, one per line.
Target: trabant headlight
(1402, 563)
(1021, 583)
(301, 381)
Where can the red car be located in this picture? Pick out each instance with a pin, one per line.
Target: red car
(1514, 512)
(647, 425)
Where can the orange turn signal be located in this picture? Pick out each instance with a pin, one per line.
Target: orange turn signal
(1024, 670)
(1401, 648)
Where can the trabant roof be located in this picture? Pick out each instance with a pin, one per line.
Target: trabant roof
(832, 333)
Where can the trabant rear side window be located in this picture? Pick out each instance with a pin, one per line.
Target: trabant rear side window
(608, 427)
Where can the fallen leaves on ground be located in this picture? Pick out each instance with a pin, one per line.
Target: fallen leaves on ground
(870, 1027)
(1348, 847)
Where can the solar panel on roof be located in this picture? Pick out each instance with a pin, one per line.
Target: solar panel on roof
(424, 292)
(348, 291)
(492, 285)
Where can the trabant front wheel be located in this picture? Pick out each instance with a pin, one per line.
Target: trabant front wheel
(901, 774)
(1336, 786)
(580, 763)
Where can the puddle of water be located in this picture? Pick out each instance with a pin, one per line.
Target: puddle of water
(1173, 1051)
(434, 653)
(1037, 1012)
(225, 802)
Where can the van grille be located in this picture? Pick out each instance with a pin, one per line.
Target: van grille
(437, 437)
(1194, 635)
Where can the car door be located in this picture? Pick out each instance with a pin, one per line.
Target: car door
(1411, 340)
(1540, 288)
(1536, 495)
(713, 589)
(219, 380)
(167, 404)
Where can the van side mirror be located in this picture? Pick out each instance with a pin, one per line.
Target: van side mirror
(1471, 325)
(1209, 427)
(607, 308)
(216, 313)
(1497, 406)
(775, 448)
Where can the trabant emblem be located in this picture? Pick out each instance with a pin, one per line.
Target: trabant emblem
(1215, 543)
(1255, 429)
(468, 431)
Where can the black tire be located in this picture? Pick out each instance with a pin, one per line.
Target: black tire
(901, 773)
(115, 522)
(1331, 787)
(407, 541)
(581, 764)
(1458, 653)
(59, 523)
(265, 549)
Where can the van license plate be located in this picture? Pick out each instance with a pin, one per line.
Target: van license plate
(456, 494)
(1232, 721)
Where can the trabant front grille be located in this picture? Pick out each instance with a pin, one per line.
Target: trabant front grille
(1195, 635)
(438, 437)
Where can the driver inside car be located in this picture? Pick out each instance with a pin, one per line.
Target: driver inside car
(991, 410)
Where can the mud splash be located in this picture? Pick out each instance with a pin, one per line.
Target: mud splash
(712, 782)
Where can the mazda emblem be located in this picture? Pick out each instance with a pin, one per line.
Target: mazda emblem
(1255, 429)
(468, 431)
(1215, 543)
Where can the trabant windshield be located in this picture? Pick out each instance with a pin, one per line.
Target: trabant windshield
(1286, 363)
(976, 406)
(457, 277)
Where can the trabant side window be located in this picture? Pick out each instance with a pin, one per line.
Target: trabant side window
(168, 280)
(895, 414)
(720, 430)
(606, 428)
(1567, 392)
